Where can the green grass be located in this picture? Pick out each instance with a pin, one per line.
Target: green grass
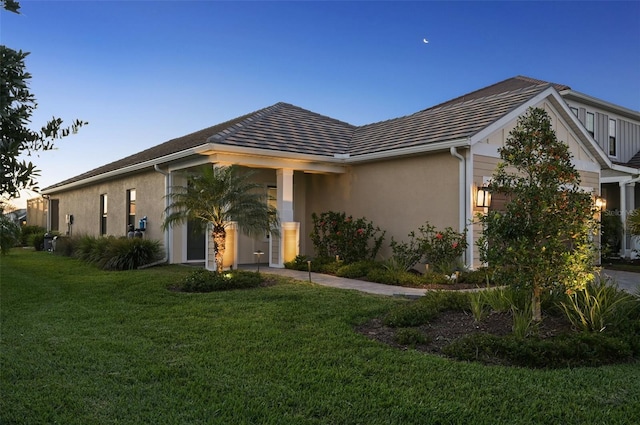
(85, 346)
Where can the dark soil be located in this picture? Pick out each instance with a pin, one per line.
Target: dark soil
(451, 325)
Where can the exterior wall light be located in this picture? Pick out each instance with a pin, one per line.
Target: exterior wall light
(601, 203)
(483, 198)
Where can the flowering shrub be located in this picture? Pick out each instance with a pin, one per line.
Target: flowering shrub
(441, 249)
(336, 234)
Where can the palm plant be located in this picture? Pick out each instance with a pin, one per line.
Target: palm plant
(216, 196)
(633, 221)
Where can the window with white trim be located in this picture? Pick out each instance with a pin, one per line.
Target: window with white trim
(590, 123)
(103, 214)
(613, 151)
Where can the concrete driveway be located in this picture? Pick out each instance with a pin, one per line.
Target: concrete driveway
(627, 281)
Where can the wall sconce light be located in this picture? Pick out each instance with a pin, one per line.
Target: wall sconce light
(601, 203)
(483, 198)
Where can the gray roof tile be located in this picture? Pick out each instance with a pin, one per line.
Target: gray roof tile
(288, 128)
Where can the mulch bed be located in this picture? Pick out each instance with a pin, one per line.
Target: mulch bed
(451, 325)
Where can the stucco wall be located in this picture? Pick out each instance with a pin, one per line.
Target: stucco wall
(397, 195)
(84, 204)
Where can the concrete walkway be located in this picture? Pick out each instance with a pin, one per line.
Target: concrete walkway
(626, 280)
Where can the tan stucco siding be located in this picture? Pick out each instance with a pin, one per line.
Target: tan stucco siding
(397, 195)
(84, 204)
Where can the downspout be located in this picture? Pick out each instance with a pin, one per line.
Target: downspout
(166, 231)
(462, 194)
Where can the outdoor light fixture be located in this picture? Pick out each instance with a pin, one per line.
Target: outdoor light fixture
(601, 203)
(483, 198)
(258, 253)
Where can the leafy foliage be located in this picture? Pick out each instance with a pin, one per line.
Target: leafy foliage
(111, 253)
(9, 234)
(218, 196)
(202, 280)
(441, 249)
(18, 104)
(569, 350)
(543, 238)
(633, 222)
(27, 233)
(599, 306)
(336, 234)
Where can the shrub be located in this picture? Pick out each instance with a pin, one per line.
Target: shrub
(9, 234)
(569, 350)
(406, 254)
(600, 305)
(357, 269)
(410, 337)
(336, 234)
(65, 246)
(299, 263)
(479, 309)
(393, 277)
(37, 241)
(129, 254)
(441, 249)
(202, 280)
(27, 234)
(432, 278)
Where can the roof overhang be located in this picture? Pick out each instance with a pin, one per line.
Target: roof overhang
(599, 103)
(552, 95)
(409, 151)
(265, 158)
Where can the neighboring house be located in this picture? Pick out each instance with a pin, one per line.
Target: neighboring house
(398, 173)
(37, 212)
(18, 216)
(617, 131)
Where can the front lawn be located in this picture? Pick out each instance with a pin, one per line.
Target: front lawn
(80, 345)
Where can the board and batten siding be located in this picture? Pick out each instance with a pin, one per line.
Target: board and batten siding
(627, 134)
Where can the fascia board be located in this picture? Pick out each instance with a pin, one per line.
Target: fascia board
(599, 103)
(561, 107)
(124, 170)
(215, 148)
(410, 151)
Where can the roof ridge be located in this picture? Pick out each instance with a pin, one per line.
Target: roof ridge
(251, 119)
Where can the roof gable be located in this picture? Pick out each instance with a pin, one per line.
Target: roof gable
(290, 129)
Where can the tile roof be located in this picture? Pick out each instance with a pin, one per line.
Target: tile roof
(634, 162)
(287, 128)
(447, 121)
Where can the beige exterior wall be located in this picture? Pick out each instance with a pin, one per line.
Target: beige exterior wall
(84, 204)
(397, 195)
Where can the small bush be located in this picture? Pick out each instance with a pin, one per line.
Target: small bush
(431, 278)
(356, 270)
(569, 350)
(129, 254)
(394, 277)
(352, 239)
(27, 234)
(37, 241)
(202, 280)
(410, 337)
(600, 305)
(9, 234)
(65, 246)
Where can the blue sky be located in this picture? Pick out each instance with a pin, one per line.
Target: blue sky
(145, 72)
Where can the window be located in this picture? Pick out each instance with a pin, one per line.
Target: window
(103, 214)
(574, 110)
(590, 124)
(131, 208)
(612, 138)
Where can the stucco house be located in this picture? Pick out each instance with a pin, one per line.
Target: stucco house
(399, 173)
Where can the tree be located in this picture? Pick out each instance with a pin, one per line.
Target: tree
(216, 196)
(17, 105)
(543, 240)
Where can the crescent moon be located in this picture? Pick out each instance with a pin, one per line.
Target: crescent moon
(425, 41)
